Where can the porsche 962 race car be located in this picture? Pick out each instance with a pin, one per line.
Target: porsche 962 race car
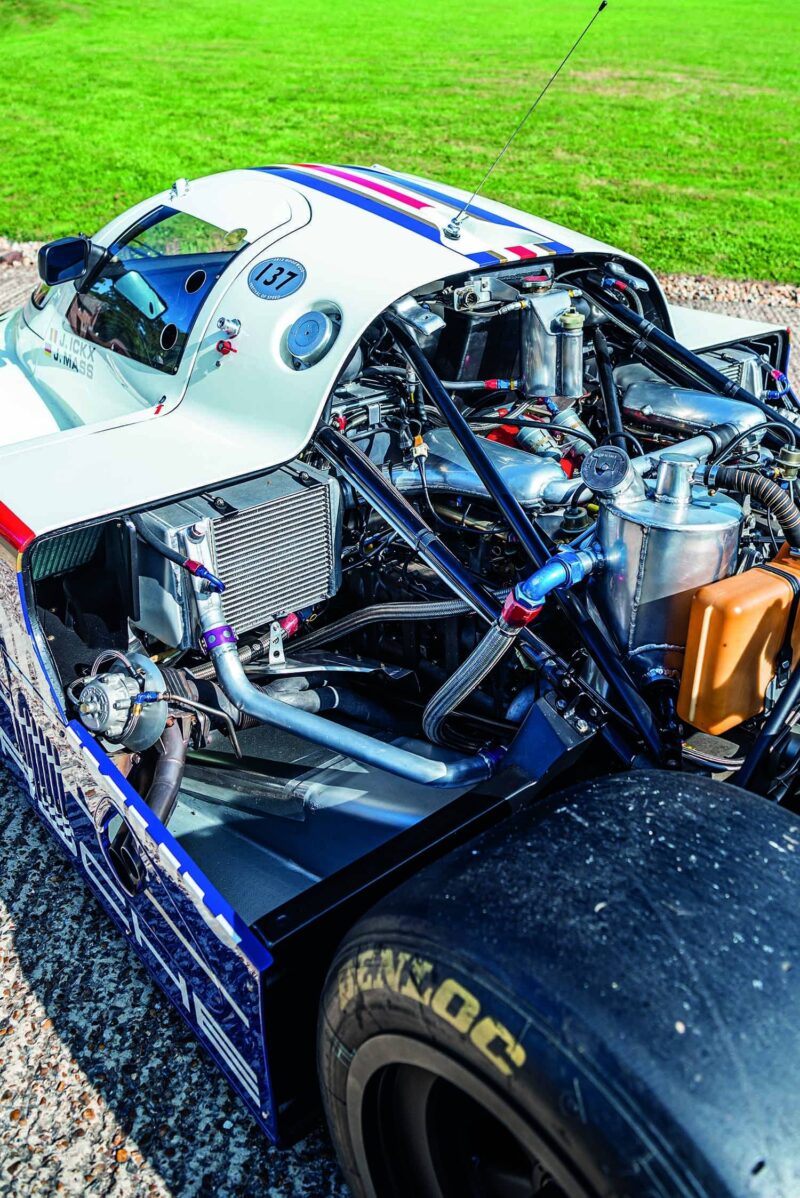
(398, 629)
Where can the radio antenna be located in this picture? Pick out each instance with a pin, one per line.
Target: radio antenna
(453, 230)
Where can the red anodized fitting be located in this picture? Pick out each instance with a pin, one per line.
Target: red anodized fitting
(517, 614)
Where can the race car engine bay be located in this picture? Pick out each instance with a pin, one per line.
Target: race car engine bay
(529, 521)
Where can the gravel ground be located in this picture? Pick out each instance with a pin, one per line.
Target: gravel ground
(103, 1089)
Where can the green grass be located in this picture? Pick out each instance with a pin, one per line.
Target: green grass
(673, 132)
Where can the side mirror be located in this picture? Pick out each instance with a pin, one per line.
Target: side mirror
(62, 260)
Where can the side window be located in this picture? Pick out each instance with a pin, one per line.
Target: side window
(144, 300)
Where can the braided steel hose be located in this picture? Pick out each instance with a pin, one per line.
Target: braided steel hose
(489, 651)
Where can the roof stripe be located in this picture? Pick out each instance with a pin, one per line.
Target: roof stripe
(556, 247)
(405, 219)
(391, 192)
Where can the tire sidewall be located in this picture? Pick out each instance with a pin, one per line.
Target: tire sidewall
(527, 1049)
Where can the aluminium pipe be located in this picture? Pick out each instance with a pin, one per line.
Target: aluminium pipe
(650, 342)
(464, 772)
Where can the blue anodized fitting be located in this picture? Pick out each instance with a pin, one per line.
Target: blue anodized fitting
(562, 571)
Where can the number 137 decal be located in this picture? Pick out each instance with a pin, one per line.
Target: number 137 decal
(276, 278)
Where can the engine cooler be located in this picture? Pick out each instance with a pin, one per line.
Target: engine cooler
(276, 544)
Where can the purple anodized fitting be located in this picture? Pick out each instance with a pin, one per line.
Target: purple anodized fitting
(223, 634)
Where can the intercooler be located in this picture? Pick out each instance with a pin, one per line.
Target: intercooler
(276, 544)
(739, 364)
(276, 557)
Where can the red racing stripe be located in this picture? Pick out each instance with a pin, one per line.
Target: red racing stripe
(523, 251)
(371, 184)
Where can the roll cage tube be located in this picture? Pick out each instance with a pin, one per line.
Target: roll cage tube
(594, 635)
(365, 477)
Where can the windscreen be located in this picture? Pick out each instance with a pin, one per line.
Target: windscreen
(153, 282)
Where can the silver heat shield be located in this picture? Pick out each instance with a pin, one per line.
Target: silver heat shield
(276, 543)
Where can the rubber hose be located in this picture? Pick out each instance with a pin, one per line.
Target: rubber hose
(774, 499)
(469, 675)
(149, 538)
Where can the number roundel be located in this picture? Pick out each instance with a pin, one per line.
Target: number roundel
(276, 278)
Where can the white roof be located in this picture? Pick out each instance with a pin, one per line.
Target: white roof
(365, 237)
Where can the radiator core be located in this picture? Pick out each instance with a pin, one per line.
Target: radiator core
(276, 545)
(276, 557)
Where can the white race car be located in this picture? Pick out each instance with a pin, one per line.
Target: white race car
(346, 520)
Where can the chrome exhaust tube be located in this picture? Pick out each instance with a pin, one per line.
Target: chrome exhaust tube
(220, 643)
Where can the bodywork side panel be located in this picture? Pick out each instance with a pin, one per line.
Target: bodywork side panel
(191, 941)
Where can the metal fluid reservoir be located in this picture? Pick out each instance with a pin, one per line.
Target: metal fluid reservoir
(661, 544)
(551, 344)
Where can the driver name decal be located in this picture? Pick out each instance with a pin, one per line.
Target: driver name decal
(70, 352)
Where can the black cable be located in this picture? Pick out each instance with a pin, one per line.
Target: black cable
(769, 426)
(624, 435)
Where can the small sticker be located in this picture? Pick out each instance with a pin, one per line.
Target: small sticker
(276, 278)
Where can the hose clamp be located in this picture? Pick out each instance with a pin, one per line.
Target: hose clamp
(215, 638)
(709, 476)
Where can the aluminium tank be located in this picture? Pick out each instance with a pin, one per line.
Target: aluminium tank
(661, 545)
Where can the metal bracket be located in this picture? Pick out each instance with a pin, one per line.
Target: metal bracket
(276, 654)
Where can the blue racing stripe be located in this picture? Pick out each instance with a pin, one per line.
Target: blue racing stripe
(485, 259)
(432, 193)
(404, 219)
(375, 207)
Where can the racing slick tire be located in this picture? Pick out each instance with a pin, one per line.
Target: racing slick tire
(598, 996)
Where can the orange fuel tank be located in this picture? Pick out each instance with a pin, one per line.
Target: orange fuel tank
(737, 628)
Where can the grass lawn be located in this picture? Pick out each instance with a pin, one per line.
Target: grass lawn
(674, 132)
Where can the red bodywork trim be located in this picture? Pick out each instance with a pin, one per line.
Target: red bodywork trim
(13, 530)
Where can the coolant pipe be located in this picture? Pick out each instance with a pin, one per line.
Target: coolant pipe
(220, 642)
(589, 628)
